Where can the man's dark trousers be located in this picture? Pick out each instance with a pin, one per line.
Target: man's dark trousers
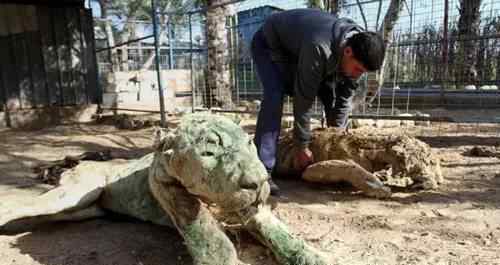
(271, 76)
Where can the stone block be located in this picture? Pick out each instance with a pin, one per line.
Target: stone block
(407, 122)
(423, 123)
(358, 123)
(387, 123)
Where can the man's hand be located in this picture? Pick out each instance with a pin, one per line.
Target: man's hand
(303, 158)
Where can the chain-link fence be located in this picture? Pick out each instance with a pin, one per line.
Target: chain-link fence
(441, 64)
(126, 54)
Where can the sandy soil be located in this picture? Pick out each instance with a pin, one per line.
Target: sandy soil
(457, 224)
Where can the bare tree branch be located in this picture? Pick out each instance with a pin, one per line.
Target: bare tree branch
(362, 13)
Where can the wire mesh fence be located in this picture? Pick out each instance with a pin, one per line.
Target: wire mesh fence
(442, 62)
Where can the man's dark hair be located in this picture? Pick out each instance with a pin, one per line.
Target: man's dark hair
(368, 48)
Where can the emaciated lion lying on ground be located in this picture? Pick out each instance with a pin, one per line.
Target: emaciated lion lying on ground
(367, 160)
(207, 159)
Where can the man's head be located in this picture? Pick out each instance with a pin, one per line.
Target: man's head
(362, 52)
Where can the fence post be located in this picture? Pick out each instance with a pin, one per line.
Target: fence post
(445, 51)
(170, 28)
(154, 14)
(193, 93)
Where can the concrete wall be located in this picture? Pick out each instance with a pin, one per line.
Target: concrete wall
(139, 90)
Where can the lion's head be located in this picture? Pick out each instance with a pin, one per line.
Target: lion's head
(213, 158)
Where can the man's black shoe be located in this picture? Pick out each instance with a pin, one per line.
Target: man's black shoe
(275, 190)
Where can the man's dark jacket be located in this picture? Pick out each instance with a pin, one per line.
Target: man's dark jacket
(308, 42)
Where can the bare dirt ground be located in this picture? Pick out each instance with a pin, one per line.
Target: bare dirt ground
(457, 224)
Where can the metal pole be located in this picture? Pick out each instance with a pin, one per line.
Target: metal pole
(124, 43)
(396, 68)
(193, 101)
(154, 8)
(412, 57)
(170, 27)
(237, 58)
(411, 20)
(445, 51)
(395, 64)
(245, 80)
(232, 55)
(393, 97)
(408, 101)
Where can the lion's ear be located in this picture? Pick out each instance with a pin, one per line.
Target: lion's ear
(164, 139)
(163, 144)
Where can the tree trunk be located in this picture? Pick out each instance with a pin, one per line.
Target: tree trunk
(390, 20)
(161, 32)
(128, 33)
(113, 54)
(496, 44)
(362, 12)
(379, 11)
(482, 51)
(126, 36)
(218, 74)
(335, 6)
(316, 4)
(332, 6)
(468, 31)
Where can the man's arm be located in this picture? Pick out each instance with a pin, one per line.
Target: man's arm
(344, 93)
(337, 105)
(310, 74)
